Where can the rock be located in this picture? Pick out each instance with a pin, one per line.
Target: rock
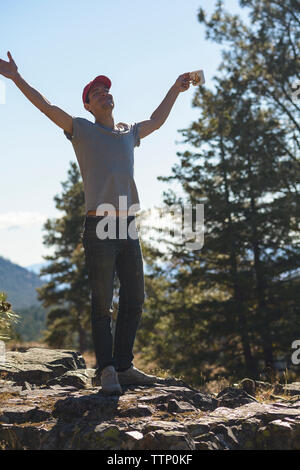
(39, 365)
(65, 412)
(263, 386)
(197, 429)
(23, 414)
(172, 381)
(163, 425)
(288, 389)
(22, 437)
(180, 406)
(10, 389)
(26, 386)
(167, 440)
(277, 435)
(249, 386)
(92, 405)
(209, 442)
(291, 389)
(103, 436)
(136, 411)
(80, 378)
(226, 435)
(132, 440)
(162, 407)
(204, 402)
(233, 397)
(157, 398)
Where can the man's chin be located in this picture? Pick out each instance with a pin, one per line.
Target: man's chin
(108, 106)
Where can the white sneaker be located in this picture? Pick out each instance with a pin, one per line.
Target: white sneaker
(109, 381)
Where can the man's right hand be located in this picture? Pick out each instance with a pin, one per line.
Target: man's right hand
(8, 69)
(57, 115)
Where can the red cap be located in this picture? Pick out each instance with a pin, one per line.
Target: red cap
(100, 79)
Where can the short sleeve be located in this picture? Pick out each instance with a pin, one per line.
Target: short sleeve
(80, 125)
(136, 134)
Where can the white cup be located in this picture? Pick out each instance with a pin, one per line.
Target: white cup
(197, 77)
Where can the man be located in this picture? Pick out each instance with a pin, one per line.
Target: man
(105, 155)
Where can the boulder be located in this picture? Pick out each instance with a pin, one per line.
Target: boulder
(39, 365)
(79, 378)
(47, 402)
(180, 406)
(232, 397)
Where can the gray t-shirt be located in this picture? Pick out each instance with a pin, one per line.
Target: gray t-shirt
(106, 161)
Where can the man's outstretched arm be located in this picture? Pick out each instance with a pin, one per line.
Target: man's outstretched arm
(57, 115)
(162, 112)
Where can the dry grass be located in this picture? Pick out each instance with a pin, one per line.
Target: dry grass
(265, 396)
(150, 367)
(216, 386)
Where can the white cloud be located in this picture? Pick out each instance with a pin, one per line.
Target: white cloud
(18, 219)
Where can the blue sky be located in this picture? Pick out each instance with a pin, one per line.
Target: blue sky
(59, 46)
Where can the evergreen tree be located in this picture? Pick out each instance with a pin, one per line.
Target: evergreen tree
(7, 318)
(67, 292)
(229, 305)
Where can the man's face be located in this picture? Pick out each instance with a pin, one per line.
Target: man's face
(99, 98)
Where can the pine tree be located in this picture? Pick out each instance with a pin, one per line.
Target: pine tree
(67, 293)
(7, 318)
(229, 305)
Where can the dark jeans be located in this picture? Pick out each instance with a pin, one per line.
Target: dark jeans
(104, 258)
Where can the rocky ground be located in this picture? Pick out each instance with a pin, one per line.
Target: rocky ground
(47, 402)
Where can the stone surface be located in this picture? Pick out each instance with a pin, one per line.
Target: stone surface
(17, 413)
(233, 397)
(288, 389)
(249, 386)
(39, 365)
(47, 402)
(180, 406)
(79, 378)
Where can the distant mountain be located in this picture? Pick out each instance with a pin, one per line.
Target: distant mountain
(19, 284)
(36, 267)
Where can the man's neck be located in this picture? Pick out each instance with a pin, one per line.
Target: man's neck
(107, 121)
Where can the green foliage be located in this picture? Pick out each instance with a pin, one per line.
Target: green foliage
(66, 294)
(32, 323)
(7, 317)
(234, 304)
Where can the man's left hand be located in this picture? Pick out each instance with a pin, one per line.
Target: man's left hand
(183, 82)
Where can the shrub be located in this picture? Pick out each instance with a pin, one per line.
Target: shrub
(7, 317)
